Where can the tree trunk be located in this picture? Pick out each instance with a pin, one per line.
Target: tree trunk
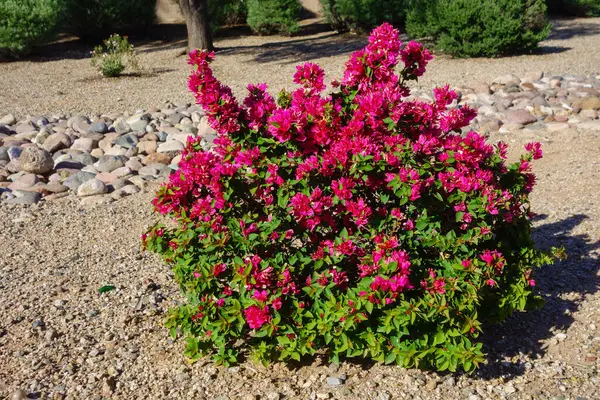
(198, 24)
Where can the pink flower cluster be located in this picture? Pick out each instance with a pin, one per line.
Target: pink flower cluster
(349, 150)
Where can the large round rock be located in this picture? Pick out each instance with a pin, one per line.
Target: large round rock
(36, 160)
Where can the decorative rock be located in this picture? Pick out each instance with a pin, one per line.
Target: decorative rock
(91, 188)
(8, 119)
(14, 152)
(590, 103)
(23, 197)
(84, 144)
(121, 172)
(24, 182)
(170, 146)
(57, 141)
(334, 381)
(533, 76)
(56, 188)
(74, 181)
(19, 394)
(157, 158)
(138, 122)
(507, 80)
(98, 127)
(127, 141)
(122, 127)
(125, 191)
(4, 154)
(522, 117)
(147, 147)
(36, 160)
(97, 153)
(557, 126)
(134, 163)
(109, 163)
(107, 177)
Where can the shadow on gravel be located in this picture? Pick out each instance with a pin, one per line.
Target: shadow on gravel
(564, 29)
(300, 50)
(523, 333)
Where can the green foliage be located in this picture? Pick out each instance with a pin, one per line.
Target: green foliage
(362, 15)
(267, 17)
(94, 19)
(579, 8)
(112, 58)
(227, 12)
(26, 23)
(488, 28)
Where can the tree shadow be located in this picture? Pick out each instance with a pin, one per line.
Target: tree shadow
(300, 50)
(523, 333)
(564, 29)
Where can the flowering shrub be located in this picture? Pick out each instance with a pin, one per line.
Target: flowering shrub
(359, 223)
(111, 59)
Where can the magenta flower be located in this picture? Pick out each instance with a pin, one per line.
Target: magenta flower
(256, 316)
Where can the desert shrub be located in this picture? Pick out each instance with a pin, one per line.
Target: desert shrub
(360, 224)
(490, 28)
(361, 15)
(26, 23)
(95, 19)
(266, 17)
(114, 56)
(227, 12)
(579, 8)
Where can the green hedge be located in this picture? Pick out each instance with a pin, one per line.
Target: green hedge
(266, 17)
(362, 15)
(579, 8)
(227, 12)
(96, 19)
(26, 23)
(467, 28)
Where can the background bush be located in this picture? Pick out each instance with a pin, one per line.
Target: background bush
(467, 28)
(96, 19)
(266, 17)
(25, 23)
(579, 8)
(227, 12)
(362, 15)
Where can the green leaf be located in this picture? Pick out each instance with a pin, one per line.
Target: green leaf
(106, 289)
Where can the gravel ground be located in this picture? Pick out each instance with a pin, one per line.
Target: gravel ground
(59, 338)
(68, 84)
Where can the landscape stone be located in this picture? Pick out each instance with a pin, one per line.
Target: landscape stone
(138, 122)
(590, 103)
(91, 188)
(4, 154)
(127, 141)
(8, 119)
(24, 182)
(147, 147)
(507, 80)
(108, 163)
(23, 197)
(170, 146)
(57, 141)
(98, 127)
(74, 181)
(36, 160)
(157, 158)
(522, 117)
(97, 153)
(14, 152)
(85, 144)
